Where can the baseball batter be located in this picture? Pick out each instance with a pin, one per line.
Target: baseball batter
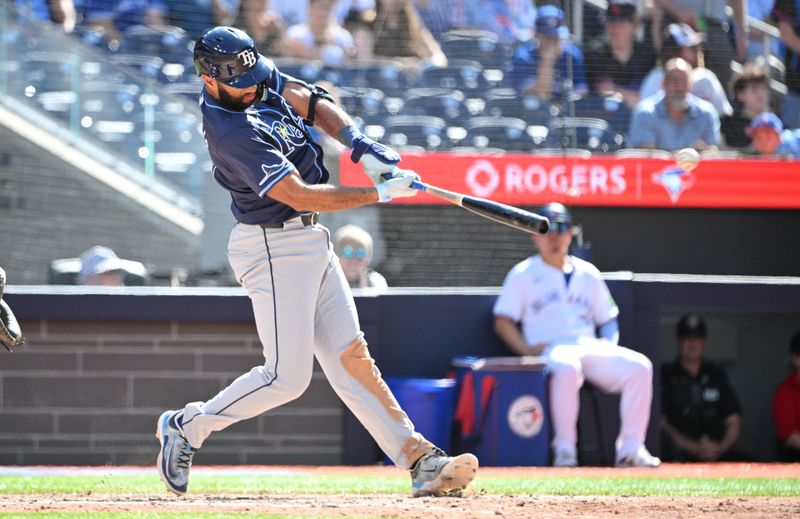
(560, 301)
(256, 124)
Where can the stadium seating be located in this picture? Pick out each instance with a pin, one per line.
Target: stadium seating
(366, 103)
(425, 131)
(478, 45)
(438, 102)
(507, 133)
(168, 43)
(506, 102)
(464, 75)
(590, 134)
(308, 70)
(385, 75)
(611, 109)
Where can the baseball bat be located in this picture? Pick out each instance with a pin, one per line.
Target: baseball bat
(500, 213)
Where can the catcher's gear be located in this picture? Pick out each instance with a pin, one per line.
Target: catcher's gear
(10, 334)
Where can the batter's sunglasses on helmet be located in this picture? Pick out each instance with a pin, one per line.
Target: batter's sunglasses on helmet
(349, 252)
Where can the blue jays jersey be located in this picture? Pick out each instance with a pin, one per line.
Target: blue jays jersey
(252, 150)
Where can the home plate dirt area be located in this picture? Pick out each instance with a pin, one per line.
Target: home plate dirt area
(474, 504)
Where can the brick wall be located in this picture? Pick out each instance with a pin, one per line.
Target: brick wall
(90, 392)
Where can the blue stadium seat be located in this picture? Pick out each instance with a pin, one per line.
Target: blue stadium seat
(507, 133)
(43, 71)
(366, 103)
(506, 102)
(611, 109)
(307, 70)
(481, 46)
(408, 130)
(169, 43)
(385, 75)
(438, 102)
(146, 67)
(591, 134)
(464, 75)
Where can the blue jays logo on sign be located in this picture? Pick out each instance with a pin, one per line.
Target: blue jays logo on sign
(675, 181)
(526, 416)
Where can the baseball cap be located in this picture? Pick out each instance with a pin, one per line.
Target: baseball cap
(549, 22)
(766, 120)
(683, 35)
(560, 220)
(98, 260)
(620, 10)
(691, 325)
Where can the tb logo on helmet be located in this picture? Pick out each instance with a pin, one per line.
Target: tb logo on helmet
(248, 57)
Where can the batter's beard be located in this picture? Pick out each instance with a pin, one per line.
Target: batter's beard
(233, 103)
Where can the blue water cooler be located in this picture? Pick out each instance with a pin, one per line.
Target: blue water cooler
(503, 415)
(429, 403)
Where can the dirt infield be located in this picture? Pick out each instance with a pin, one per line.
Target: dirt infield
(472, 505)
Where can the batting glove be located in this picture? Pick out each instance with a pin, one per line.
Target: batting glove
(375, 158)
(397, 186)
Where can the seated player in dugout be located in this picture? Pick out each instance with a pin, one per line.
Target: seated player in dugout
(562, 304)
(786, 407)
(701, 418)
(256, 125)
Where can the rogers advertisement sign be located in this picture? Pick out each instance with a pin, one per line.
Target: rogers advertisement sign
(602, 181)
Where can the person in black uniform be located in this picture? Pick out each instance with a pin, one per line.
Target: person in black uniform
(700, 413)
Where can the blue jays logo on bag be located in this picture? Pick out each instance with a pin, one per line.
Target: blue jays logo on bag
(526, 416)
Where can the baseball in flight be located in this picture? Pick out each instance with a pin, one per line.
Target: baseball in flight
(687, 158)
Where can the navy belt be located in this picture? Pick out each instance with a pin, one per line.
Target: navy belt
(306, 218)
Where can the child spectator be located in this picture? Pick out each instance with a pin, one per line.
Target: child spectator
(750, 98)
(353, 245)
(770, 140)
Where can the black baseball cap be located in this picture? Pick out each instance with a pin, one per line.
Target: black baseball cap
(560, 220)
(691, 325)
(620, 10)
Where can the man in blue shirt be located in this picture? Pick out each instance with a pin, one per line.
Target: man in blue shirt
(771, 140)
(541, 67)
(675, 119)
(256, 124)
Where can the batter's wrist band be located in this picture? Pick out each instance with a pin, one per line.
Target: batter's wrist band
(348, 134)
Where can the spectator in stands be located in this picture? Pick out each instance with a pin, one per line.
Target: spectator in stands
(61, 12)
(321, 38)
(101, 266)
(760, 10)
(621, 63)
(709, 17)
(543, 66)
(561, 302)
(675, 119)
(786, 407)
(512, 20)
(787, 14)
(436, 15)
(399, 32)
(770, 140)
(680, 41)
(195, 16)
(264, 25)
(700, 413)
(750, 98)
(114, 16)
(353, 245)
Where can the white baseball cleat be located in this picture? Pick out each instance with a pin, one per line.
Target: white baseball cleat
(175, 456)
(565, 458)
(437, 474)
(640, 458)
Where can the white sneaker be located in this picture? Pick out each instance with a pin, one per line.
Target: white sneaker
(640, 458)
(437, 474)
(565, 458)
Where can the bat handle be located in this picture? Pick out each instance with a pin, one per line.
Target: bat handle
(415, 184)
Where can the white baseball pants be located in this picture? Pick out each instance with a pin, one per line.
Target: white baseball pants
(614, 369)
(303, 307)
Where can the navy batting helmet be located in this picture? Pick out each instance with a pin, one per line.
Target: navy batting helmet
(230, 56)
(560, 220)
